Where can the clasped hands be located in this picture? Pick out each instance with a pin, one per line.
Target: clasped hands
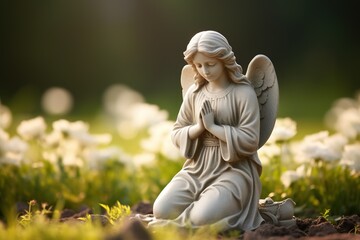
(206, 121)
(206, 118)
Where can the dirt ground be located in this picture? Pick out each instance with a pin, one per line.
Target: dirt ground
(347, 227)
(308, 228)
(344, 228)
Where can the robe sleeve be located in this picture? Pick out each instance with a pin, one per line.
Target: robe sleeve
(242, 138)
(185, 119)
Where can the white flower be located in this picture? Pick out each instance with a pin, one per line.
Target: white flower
(73, 144)
(336, 142)
(144, 159)
(284, 129)
(11, 158)
(31, 129)
(12, 151)
(289, 177)
(126, 129)
(344, 117)
(70, 152)
(53, 139)
(157, 134)
(316, 137)
(79, 130)
(142, 115)
(4, 136)
(15, 145)
(348, 123)
(320, 146)
(50, 156)
(351, 157)
(269, 151)
(97, 157)
(71, 159)
(169, 150)
(102, 138)
(303, 171)
(145, 115)
(337, 109)
(5, 117)
(67, 127)
(87, 139)
(119, 98)
(159, 140)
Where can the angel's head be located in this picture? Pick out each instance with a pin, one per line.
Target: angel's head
(213, 45)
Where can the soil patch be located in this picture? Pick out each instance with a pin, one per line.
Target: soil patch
(344, 228)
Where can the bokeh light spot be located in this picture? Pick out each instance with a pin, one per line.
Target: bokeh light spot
(57, 101)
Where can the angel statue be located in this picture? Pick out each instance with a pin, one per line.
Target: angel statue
(225, 117)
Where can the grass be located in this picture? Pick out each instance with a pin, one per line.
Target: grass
(326, 185)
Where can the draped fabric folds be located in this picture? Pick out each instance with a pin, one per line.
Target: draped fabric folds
(219, 183)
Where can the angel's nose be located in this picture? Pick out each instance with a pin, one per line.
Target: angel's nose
(206, 71)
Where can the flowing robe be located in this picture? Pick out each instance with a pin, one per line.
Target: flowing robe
(219, 183)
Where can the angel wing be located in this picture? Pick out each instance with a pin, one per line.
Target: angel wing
(187, 78)
(261, 74)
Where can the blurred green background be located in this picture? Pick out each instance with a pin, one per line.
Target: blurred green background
(86, 46)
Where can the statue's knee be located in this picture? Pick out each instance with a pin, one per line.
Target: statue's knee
(159, 209)
(166, 210)
(199, 218)
(163, 210)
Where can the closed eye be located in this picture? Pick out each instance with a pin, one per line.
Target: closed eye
(209, 64)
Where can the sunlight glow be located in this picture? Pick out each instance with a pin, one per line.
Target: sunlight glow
(57, 101)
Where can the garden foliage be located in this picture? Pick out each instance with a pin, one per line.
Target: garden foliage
(63, 164)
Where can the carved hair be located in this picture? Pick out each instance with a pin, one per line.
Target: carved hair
(214, 45)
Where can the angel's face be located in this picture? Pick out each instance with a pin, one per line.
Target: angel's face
(211, 69)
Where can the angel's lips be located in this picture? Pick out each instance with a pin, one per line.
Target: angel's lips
(208, 78)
